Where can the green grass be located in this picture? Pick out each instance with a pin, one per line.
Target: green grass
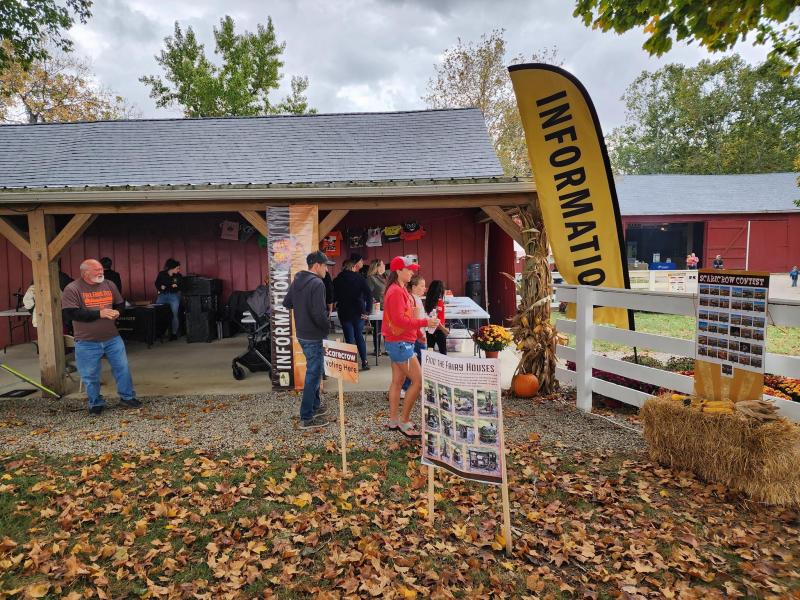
(780, 340)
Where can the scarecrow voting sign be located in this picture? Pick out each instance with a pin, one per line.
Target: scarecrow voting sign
(340, 361)
(731, 334)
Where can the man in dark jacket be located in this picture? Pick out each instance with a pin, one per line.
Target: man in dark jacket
(110, 274)
(353, 304)
(306, 297)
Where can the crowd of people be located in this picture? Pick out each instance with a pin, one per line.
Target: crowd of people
(413, 319)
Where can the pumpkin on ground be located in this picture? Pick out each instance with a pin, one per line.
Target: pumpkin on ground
(525, 385)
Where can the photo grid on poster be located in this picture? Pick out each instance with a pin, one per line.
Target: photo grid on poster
(732, 321)
(462, 416)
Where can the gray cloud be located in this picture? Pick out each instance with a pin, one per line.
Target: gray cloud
(371, 54)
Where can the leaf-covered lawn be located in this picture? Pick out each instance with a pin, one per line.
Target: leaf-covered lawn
(198, 525)
(780, 340)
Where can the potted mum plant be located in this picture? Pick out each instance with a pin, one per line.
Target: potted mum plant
(492, 339)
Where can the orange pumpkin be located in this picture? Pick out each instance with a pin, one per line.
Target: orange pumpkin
(525, 385)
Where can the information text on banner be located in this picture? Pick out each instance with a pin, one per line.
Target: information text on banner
(574, 183)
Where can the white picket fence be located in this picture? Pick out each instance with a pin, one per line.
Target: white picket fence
(783, 313)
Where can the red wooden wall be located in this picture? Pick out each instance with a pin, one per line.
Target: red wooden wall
(139, 245)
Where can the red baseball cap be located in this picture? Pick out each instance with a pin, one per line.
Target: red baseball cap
(403, 262)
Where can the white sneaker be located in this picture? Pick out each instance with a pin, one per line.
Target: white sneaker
(402, 394)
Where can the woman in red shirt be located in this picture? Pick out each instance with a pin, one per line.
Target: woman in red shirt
(400, 330)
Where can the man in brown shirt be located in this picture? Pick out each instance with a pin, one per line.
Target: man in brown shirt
(92, 304)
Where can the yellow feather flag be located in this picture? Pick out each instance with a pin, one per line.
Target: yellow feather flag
(574, 181)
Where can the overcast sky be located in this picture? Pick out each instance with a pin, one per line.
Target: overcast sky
(371, 55)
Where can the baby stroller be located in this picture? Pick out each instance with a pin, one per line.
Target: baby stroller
(256, 323)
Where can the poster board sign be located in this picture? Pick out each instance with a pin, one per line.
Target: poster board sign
(292, 232)
(340, 360)
(462, 416)
(731, 334)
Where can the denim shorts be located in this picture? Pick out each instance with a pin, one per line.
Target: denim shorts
(400, 351)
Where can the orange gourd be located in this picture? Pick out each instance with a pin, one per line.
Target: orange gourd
(525, 385)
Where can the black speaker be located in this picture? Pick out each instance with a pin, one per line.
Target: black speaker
(474, 291)
(194, 285)
(201, 304)
(200, 327)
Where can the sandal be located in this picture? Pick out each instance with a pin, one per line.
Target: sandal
(407, 429)
(392, 426)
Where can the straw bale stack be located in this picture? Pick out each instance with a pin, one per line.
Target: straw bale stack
(759, 459)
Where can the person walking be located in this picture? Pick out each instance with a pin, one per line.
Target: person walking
(376, 281)
(400, 329)
(793, 274)
(93, 304)
(434, 307)
(306, 298)
(168, 286)
(353, 305)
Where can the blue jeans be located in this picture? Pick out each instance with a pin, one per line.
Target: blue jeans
(418, 348)
(312, 349)
(174, 301)
(354, 334)
(87, 358)
(794, 282)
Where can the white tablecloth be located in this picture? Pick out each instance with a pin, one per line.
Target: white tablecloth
(457, 307)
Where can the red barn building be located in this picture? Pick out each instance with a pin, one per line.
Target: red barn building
(752, 221)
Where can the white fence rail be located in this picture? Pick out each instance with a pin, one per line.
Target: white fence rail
(783, 313)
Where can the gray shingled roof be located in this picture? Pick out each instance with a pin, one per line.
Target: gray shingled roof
(707, 194)
(419, 145)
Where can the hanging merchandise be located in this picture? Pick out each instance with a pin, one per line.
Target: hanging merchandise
(374, 237)
(230, 230)
(246, 232)
(356, 237)
(391, 233)
(331, 244)
(412, 231)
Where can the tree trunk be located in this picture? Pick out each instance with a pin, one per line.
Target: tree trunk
(534, 335)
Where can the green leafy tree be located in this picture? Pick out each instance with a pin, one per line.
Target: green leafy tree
(240, 86)
(716, 25)
(476, 75)
(29, 26)
(60, 87)
(723, 116)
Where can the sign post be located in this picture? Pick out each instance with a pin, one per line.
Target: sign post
(341, 361)
(462, 424)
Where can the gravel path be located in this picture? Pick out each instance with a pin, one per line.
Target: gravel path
(258, 421)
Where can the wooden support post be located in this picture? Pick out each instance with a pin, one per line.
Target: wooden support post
(19, 239)
(431, 493)
(330, 221)
(72, 231)
(256, 220)
(584, 335)
(48, 301)
(342, 436)
(505, 223)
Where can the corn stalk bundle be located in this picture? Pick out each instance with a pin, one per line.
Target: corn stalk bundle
(534, 336)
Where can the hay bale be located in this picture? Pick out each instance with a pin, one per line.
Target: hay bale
(758, 459)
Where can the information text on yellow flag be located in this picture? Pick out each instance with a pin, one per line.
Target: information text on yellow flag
(573, 180)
